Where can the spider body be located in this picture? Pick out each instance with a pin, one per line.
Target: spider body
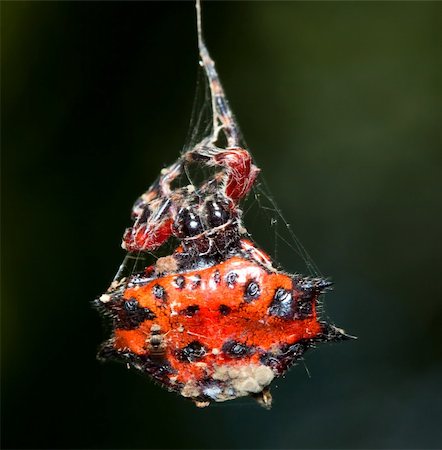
(220, 331)
(215, 319)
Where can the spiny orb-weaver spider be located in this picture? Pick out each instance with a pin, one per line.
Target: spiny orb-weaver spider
(214, 320)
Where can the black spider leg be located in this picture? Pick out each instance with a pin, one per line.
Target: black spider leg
(223, 118)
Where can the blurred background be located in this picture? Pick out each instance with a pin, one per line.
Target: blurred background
(340, 103)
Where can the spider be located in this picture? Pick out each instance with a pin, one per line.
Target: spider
(205, 219)
(214, 320)
(197, 216)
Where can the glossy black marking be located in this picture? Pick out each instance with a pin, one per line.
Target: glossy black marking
(224, 310)
(252, 291)
(282, 304)
(159, 292)
(131, 304)
(188, 223)
(192, 352)
(231, 278)
(126, 314)
(190, 311)
(236, 349)
(180, 282)
(217, 213)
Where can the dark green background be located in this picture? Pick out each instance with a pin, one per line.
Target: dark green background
(340, 104)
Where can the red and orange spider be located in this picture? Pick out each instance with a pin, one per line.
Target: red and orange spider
(214, 320)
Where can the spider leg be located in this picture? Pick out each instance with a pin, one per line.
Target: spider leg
(155, 211)
(239, 172)
(150, 234)
(153, 214)
(223, 118)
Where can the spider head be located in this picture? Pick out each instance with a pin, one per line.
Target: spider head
(188, 223)
(207, 227)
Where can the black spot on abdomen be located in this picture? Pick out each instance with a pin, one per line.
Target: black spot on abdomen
(252, 291)
(224, 310)
(231, 278)
(190, 311)
(159, 292)
(236, 349)
(192, 352)
(131, 314)
(282, 304)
